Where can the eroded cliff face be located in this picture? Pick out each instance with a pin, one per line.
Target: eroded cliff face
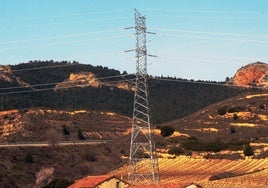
(7, 75)
(252, 75)
(85, 79)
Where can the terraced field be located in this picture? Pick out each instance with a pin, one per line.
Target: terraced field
(210, 172)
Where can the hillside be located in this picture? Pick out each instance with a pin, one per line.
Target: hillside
(70, 85)
(37, 124)
(231, 123)
(68, 102)
(207, 124)
(20, 165)
(207, 146)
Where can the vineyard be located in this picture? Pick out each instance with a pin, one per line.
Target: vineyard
(210, 172)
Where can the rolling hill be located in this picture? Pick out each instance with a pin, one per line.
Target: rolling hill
(68, 102)
(70, 85)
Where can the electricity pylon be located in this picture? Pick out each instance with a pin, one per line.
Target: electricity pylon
(143, 163)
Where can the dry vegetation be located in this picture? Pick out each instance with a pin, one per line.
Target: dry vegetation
(210, 172)
(19, 166)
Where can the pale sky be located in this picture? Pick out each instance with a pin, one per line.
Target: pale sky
(196, 39)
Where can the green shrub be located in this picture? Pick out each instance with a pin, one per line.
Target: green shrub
(59, 183)
(197, 145)
(175, 151)
(167, 131)
(192, 138)
(91, 157)
(29, 158)
(248, 150)
(222, 110)
(237, 144)
(80, 134)
(236, 109)
(65, 130)
(232, 129)
(222, 176)
(235, 117)
(262, 106)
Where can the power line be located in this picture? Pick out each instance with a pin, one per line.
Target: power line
(232, 62)
(207, 11)
(74, 58)
(60, 36)
(214, 38)
(61, 87)
(206, 32)
(207, 83)
(61, 43)
(67, 15)
(43, 67)
(205, 56)
(210, 17)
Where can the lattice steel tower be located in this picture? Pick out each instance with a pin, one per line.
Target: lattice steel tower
(143, 164)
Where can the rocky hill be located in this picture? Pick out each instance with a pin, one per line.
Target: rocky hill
(74, 86)
(89, 111)
(252, 75)
(20, 165)
(36, 125)
(233, 123)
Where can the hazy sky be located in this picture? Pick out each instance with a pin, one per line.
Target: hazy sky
(196, 39)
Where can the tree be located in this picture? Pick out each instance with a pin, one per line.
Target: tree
(59, 183)
(80, 134)
(29, 158)
(65, 130)
(222, 110)
(235, 116)
(52, 137)
(232, 129)
(167, 131)
(175, 151)
(248, 150)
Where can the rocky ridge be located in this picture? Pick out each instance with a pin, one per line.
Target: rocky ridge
(251, 75)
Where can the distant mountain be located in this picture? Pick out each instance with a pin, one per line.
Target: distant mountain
(74, 86)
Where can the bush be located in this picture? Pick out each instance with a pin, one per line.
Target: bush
(196, 145)
(175, 151)
(59, 183)
(91, 157)
(248, 150)
(222, 110)
(262, 106)
(167, 131)
(222, 176)
(236, 109)
(80, 134)
(29, 158)
(235, 117)
(237, 144)
(232, 129)
(65, 130)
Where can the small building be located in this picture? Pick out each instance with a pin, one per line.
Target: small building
(102, 181)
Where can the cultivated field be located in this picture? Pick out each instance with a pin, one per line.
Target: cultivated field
(210, 172)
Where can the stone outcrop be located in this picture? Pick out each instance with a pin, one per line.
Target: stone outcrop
(251, 75)
(7, 75)
(85, 79)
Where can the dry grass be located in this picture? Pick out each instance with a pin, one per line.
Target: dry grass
(199, 170)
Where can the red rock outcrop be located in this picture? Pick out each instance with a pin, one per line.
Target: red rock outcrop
(252, 75)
